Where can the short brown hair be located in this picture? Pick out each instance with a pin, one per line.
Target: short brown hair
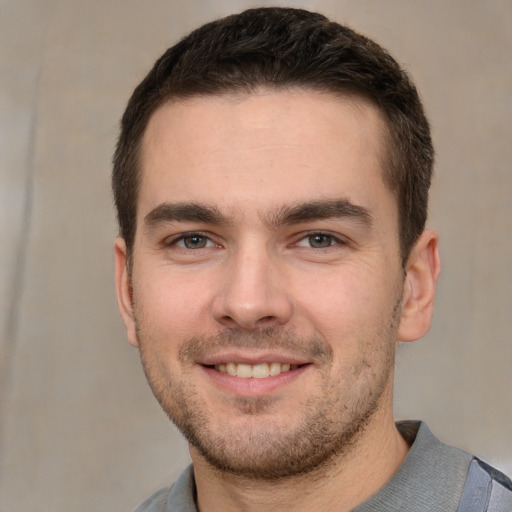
(277, 48)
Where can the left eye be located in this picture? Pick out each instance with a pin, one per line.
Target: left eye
(194, 242)
(318, 241)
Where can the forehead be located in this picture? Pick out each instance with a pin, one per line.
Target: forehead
(264, 147)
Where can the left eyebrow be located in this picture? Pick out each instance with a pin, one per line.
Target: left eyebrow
(321, 210)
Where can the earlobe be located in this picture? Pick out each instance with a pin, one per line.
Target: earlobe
(422, 272)
(124, 291)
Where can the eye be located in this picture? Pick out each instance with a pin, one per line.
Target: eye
(318, 241)
(193, 241)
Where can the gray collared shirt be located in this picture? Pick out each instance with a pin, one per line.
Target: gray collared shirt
(431, 479)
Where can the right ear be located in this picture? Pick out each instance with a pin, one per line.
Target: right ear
(124, 291)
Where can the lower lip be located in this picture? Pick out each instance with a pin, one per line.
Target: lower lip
(250, 386)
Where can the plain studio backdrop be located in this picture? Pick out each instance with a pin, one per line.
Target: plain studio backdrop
(79, 427)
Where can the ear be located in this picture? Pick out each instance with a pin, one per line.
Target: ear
(422, 270)
(124, 291)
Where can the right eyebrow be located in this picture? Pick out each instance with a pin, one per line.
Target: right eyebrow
(183, 212)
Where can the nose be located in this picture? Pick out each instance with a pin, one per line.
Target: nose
(253, 293)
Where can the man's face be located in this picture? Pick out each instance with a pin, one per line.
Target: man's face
(266, 278)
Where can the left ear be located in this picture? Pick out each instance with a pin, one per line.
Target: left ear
(422, 270)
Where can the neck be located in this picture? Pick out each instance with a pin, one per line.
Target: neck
(346, 481)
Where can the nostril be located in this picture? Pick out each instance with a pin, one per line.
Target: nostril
(251, 310)
(227, 319)
(267, 321)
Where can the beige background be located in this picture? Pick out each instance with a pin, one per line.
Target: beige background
(79, 429)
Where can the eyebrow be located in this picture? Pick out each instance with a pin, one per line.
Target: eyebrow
(183, 212)
(321, 210)
(293, 214)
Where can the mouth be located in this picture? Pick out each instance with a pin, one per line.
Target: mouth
(239, 376)
(254, 371)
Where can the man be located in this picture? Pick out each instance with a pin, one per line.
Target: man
(271, 181)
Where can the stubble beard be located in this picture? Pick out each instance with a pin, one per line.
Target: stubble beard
(331, 423)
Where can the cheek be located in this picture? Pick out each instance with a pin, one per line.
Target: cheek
(337, 296)
(170, 305)
(348, 308)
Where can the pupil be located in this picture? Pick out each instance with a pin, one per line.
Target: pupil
(320, 241)
(193, 242)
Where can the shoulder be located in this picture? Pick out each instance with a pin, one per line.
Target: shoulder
(437, 477)
(486, 489)
(179, 497)
(156, 502)
(478, 486)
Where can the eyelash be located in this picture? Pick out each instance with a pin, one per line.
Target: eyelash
(173, 242)
(334, 240)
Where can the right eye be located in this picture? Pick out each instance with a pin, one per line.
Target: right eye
(193, 241)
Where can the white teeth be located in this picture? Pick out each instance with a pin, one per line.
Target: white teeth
(244, 371)
(259, 371)
(275, 369)
(256, 371)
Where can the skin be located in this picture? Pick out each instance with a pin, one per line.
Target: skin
(265, 233)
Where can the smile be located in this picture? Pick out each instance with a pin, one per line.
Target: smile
(255, 371)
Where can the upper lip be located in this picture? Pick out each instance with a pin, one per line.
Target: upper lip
(253, 358)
